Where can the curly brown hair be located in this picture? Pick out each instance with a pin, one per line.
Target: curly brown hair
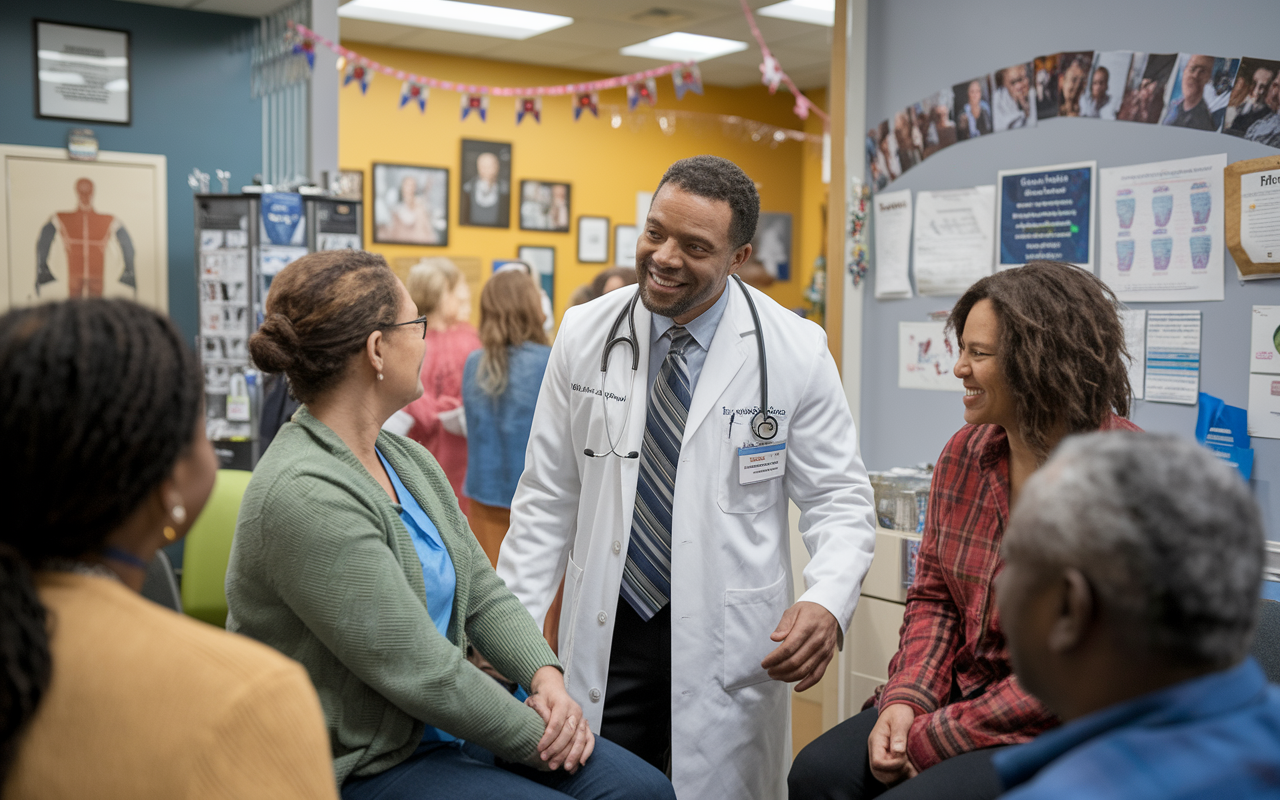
(1061, 347)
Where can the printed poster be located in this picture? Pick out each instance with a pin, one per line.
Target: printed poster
(1046, 214)
(927, 357)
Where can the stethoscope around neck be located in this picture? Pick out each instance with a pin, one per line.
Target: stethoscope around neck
(763, 425)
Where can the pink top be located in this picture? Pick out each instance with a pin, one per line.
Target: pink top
(442, 367)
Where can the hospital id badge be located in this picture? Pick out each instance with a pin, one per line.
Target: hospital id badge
(756, 464)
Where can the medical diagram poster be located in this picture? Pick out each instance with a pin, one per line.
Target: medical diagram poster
(1046, 214)
(1160, 227)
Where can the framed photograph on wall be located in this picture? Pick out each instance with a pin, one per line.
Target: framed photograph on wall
(347, 184)
(484, 198)
(543, 262)
(82, 73)
(410, 205)
(544, 206)
(624, 245)
(772, 244)
(593, 240)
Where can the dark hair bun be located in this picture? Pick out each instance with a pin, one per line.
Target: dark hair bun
(275, 347)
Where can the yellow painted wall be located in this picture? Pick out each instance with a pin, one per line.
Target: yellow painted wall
(606, 166)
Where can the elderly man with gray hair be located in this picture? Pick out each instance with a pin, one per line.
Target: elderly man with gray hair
(1132, 568)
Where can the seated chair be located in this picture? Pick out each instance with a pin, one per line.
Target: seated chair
(208, 549)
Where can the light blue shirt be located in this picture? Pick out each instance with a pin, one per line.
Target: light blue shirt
(702, 329)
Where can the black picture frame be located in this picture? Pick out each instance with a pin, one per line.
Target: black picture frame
(35, 73)
(589, 226)
(541, 208)
(396, 225)
(471, 189)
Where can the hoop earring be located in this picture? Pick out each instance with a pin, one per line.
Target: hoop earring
(170, 533)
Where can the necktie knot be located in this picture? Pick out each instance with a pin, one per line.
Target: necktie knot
(680, 339)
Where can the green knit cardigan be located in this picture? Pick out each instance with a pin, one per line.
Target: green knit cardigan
(323, 570)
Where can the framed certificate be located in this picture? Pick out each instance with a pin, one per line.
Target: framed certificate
(82, 73)
(593, 240)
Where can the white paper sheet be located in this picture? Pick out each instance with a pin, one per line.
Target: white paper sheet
(1260, 216)
(1264, 342)
(1135, 341)
(1161, 230)
(954, 239)
(1264, 406)
(1173, 357)
(926, 357)
(892, 243)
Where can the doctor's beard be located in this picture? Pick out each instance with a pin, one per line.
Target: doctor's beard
(695, 292)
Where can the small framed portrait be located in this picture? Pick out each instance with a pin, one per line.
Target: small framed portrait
(484, 198)
(410, 205)
(543, 262)
(593, 240)
(544, 206)
(82, 73)
(347, 184)
(624, 245)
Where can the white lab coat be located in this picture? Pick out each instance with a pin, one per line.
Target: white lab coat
(730, 572)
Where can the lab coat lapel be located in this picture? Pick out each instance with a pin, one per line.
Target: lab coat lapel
(724, 359)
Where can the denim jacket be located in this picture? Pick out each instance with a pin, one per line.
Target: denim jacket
(498, 427)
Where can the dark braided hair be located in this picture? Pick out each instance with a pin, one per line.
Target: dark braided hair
(99, 399)
(1062, 347)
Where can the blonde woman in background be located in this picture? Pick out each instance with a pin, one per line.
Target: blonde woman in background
(442, 296)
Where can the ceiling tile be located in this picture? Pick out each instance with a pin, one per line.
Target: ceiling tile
(240, 8)
(589, 33)
(461, 44)
(363, 30)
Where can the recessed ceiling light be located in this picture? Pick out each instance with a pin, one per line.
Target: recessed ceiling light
(448, 15)
(816, 12)
(684, 47)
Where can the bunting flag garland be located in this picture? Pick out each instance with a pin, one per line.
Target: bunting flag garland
(646, 90)
(478, 103)
(586, 101)
(412, 92)
(356, 71)
(687, 79)
(772, 75)
(531, 106)
(306, 46)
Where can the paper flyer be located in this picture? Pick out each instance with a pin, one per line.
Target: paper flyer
(1260, 216)
(1046, 213)
(893, 243)
(1135, 341)
(1173, 357)
(1264, 369)
(1264, 340)
(1160, 226)
(927, 357)
(954, 241)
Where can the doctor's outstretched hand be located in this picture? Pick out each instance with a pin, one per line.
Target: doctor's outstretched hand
(809, 634)
(567, 742)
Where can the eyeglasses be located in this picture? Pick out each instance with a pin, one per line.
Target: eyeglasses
(422, 320)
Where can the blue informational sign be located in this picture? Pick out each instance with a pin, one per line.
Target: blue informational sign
(1046, 214)
(282, 219)
(1224, 429)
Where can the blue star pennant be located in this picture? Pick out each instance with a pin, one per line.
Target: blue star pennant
(411, 92)
(479, 103)
(586, 101)
(687, 79)
(306, 47)
(356, 71)
(529, 106)
(646, 90)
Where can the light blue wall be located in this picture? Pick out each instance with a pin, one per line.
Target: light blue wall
(191, 103)
(915, 47)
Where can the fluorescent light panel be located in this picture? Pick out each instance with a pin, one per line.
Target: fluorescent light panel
(448, 15)
(815, 12)
(684, 47)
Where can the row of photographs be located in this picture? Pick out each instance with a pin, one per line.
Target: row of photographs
(1236, 96)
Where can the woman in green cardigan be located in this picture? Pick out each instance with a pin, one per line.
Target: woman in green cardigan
(352, 557)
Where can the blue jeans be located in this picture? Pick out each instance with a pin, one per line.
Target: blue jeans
(439, 769)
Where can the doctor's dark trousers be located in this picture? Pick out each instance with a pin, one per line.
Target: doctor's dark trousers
(637, 700)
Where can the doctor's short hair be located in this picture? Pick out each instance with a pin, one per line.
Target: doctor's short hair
(1061, 347)
(1168, 536)
(718, 178)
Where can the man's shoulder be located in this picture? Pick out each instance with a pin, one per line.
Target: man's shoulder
(594, 319)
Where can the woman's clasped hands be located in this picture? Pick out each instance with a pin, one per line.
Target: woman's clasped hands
(568, 741)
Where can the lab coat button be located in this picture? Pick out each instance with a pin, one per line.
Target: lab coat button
(602, 618)
(595, 695)
(617, 547)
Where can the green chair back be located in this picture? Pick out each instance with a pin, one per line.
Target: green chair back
(204, 565)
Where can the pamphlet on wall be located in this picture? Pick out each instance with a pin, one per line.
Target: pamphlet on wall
(1161, 230)
(927, 357)
(1264, 369)
(954, 243)
(1252, 190)
(1173, 357)
(1046, 213)
(892, 244)
(1135, 341)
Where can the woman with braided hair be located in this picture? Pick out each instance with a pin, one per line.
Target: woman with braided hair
(105, 694)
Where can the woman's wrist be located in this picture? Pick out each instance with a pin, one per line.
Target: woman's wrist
(547, 677)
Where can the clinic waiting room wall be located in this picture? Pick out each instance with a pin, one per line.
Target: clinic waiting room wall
(191, 103)
(604, 165)
(914, 47)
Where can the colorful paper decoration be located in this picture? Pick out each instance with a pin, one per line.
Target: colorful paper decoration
(411, 92)
(771, 73)
(530, 106)
(586, 101)
(687, 79)
(479, 103)
(646, 90)
(357, 72)
(306, 46)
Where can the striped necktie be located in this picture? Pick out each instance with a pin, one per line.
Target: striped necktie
(646, 579)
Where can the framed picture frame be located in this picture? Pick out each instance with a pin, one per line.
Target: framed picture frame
(593, 240)
(347, 184)
(624, 245)
(545, 206)
(484, 193)
(543, 262)
(410, 205)
(82, 73)
(772, 244)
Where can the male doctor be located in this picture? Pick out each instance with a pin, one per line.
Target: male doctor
(658, 489)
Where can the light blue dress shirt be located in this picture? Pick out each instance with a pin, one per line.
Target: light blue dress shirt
(702, 329)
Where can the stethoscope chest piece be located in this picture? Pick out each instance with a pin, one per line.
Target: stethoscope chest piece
(764, 426)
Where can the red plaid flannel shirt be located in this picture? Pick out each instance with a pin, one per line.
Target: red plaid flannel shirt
(952, 665)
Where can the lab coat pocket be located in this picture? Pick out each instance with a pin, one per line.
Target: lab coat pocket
(750, 615)
(732, 496)
(572, 590)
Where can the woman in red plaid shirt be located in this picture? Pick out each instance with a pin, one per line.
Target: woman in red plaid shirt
(1042, 356)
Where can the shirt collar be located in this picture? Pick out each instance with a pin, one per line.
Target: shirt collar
(702, 328)
(1207, 696)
